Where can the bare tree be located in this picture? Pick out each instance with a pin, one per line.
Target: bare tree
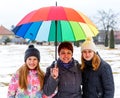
(107, 21)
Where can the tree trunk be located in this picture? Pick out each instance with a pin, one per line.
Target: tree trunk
(106, 39)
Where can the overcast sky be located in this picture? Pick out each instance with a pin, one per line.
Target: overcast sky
(12, 11)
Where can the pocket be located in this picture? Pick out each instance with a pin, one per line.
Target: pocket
(99, 93)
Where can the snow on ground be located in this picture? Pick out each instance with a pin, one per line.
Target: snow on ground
(12, 57)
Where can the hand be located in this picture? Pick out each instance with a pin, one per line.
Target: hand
(54, 72)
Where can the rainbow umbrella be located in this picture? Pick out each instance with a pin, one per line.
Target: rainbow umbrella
(55, 23)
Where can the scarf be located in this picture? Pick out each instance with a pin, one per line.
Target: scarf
(88, 64)
(66, 65)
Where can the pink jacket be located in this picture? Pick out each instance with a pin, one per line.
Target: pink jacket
(33, 90)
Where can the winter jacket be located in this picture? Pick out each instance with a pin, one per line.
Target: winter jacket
(98, 84)
(68, 84)
(33, 90)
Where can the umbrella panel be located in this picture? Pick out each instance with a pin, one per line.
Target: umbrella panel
(52, 13)
(46, 31)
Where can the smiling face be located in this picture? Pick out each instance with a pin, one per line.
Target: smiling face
(32, 62)
(87, 54)
(65, 55)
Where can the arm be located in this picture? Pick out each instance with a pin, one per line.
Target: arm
(107, 81)
(13, 85)
(50, 83)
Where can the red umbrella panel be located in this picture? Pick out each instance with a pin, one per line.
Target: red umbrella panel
(53, 13)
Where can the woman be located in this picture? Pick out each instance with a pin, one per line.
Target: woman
(64, 77)
(27, 82)
(96, 73)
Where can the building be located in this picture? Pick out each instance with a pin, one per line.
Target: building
(5, 34)
(101, 37)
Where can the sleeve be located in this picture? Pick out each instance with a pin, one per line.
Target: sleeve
(50, 84)
(107, 81)
(13, 85)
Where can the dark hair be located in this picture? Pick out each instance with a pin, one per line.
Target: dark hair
(66, 45)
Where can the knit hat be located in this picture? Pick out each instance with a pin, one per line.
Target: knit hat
(31, 51)
(88, 44)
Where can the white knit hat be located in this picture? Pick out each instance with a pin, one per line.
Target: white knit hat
(88, 44)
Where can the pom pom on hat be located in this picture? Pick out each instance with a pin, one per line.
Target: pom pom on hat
(88, 44)
(31, 51)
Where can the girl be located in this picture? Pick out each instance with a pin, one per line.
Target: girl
(27, 82)
(96, 73)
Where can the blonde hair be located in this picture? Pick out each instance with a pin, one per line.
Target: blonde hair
(23, 72)
(95, 62)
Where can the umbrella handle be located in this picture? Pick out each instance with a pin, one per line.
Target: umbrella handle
(55, 64)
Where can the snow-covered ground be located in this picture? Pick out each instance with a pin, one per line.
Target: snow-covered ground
(12, 57)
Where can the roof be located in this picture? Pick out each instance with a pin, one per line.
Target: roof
(5, 31)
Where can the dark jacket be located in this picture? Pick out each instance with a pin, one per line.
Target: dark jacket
(68, 82)
(98, 84)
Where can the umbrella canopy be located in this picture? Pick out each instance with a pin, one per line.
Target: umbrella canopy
(57, 24)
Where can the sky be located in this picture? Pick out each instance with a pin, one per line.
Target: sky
(12, 11)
